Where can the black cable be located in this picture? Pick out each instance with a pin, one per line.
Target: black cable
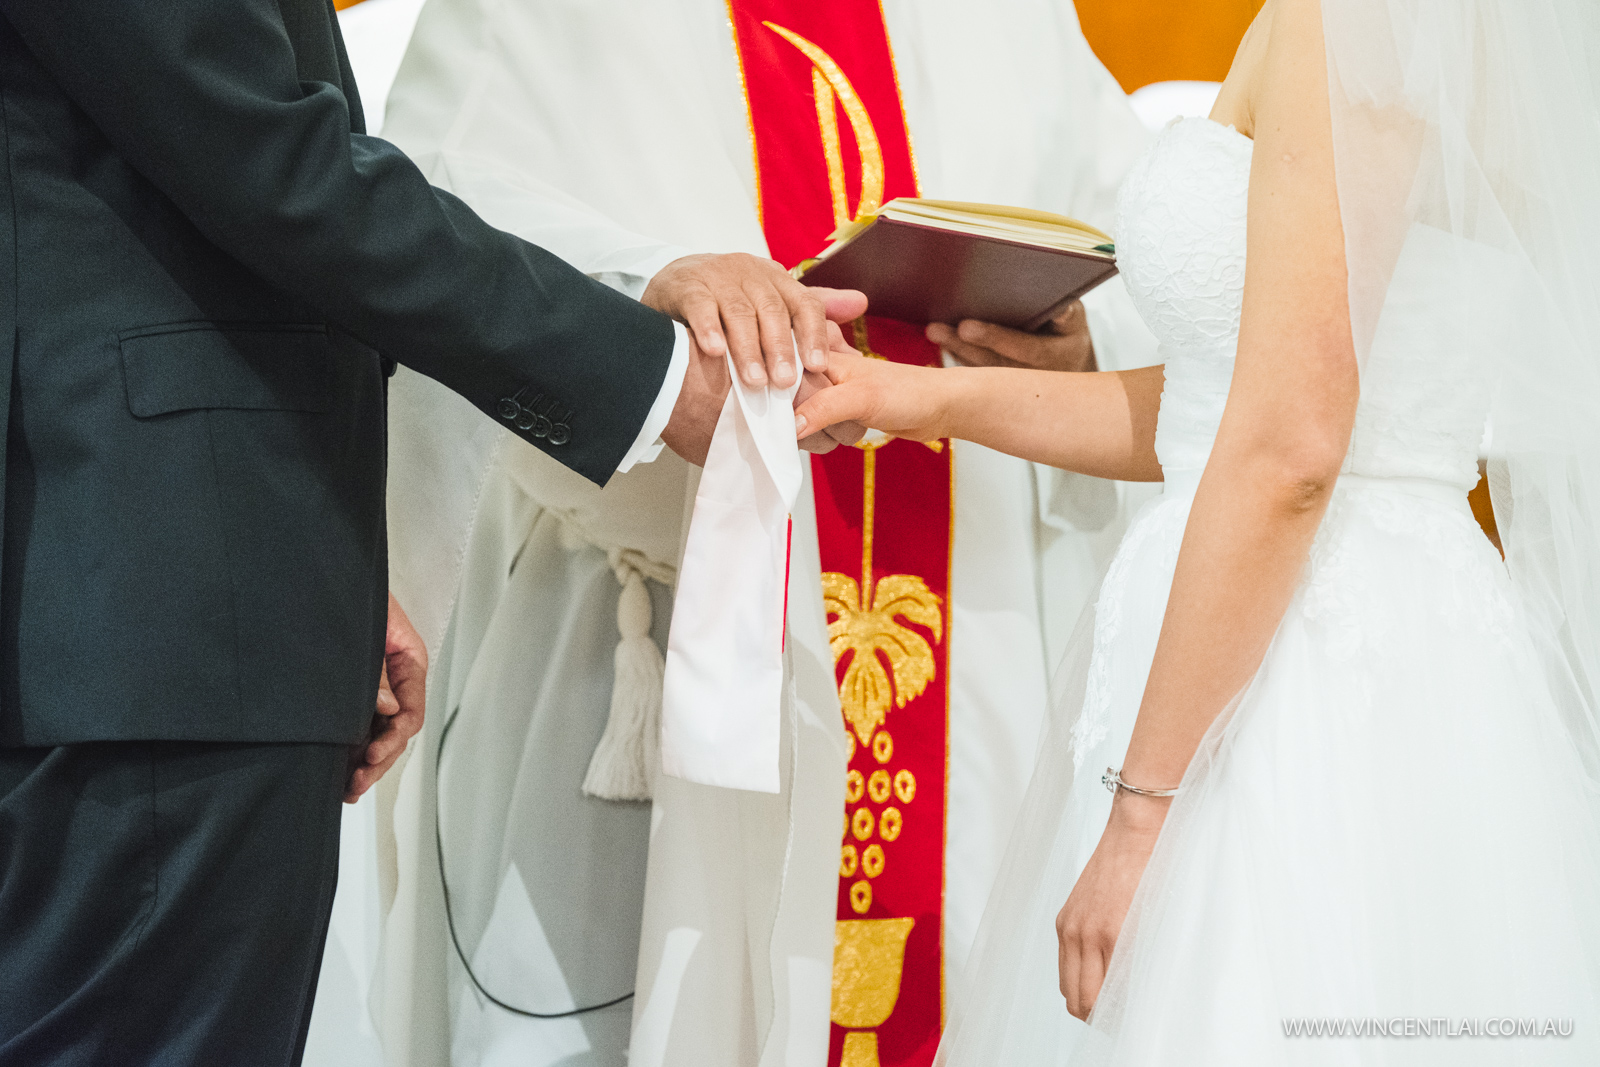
(444, 884)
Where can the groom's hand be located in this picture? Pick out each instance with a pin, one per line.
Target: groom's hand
(398, 717)
(705, 388)
(752, 307)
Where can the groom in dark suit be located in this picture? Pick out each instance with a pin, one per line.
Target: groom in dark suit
(206, 269)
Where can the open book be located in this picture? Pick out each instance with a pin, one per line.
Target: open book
(942, 261)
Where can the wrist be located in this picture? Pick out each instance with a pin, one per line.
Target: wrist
(663, 291)
(946, 407)
(1140, 800)
(1138, 816)
(651, 296)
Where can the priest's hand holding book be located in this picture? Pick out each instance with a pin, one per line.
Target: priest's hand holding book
(1062, 344)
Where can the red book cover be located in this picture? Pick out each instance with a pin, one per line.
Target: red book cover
(921, 274)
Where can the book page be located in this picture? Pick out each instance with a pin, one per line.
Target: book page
(963, 211)
(1042, 228)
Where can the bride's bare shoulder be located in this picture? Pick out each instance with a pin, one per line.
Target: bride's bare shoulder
(1281, 28)
(1233, 101)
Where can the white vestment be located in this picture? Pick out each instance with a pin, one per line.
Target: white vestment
(616, 136)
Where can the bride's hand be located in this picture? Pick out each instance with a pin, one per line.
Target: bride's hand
(844, 433)
(1088, 924)
(900, 400)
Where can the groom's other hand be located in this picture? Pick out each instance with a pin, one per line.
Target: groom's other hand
(694, 416)
(752, 307)
(401, 699)
(824, 441)
(1063, 344)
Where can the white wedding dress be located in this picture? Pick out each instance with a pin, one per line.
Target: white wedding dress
(1391, 829)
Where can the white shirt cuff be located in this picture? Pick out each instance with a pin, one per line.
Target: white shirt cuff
(647, 446)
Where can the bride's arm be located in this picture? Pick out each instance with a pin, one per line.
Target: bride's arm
(1283, 438)
(1100, 423)
(1287, 425)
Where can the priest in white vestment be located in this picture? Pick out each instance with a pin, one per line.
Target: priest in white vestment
(616, 135)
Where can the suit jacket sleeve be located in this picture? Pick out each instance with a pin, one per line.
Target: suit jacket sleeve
(207, 101)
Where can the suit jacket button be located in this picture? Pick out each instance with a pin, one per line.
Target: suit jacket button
(560, 433)
(508, 408)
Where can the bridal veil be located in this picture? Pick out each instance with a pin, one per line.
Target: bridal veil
(1476, 125)
(1481, 119)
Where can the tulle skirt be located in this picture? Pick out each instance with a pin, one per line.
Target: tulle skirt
(1386, 852)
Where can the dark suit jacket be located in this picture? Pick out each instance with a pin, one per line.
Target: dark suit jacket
(201, 258)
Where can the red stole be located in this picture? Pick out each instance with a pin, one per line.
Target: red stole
(830, 140)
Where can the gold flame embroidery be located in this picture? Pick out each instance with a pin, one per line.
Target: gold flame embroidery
(828, 81)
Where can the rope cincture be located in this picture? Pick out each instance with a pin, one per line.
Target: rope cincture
(628, 757)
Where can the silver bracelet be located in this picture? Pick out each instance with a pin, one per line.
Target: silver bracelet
(1112, 780)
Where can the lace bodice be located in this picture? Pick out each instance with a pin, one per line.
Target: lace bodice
(1181, 249)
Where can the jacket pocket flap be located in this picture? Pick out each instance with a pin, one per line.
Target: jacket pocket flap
(263, 367)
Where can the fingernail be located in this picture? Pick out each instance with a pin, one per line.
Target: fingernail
(716, 347)
(753, 374)
(799, 425)
(818, 360)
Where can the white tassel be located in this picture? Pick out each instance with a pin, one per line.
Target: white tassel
(628, 757)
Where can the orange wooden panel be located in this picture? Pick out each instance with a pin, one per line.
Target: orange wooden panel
(340, 5)
(1144, 41)
(1483, 510)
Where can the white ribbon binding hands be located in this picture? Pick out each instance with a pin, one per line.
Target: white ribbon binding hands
(724, 674)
